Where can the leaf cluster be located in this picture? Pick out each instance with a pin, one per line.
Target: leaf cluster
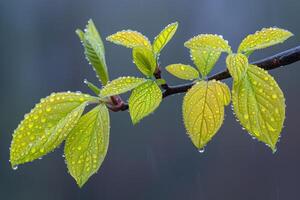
(257, 100)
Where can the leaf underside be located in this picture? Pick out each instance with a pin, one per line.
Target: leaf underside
(87, 144)
(203, 110)
(46, 126)
(144, 100)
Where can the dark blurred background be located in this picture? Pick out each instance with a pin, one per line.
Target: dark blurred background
(40, 54)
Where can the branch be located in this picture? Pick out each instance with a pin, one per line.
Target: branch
(281, 59)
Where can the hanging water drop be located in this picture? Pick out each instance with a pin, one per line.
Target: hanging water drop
(201, 150)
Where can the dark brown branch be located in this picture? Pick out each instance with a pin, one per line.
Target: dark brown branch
(281, 59)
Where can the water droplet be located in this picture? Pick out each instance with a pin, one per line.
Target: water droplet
(15, 167)
(201, 150)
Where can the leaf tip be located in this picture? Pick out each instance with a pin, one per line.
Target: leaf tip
(80, 34)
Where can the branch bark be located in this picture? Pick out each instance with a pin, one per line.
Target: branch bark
(279, 60)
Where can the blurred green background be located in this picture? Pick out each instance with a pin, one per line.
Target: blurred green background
(40, 54)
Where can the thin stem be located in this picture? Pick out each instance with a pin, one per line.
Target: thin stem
(279, 60)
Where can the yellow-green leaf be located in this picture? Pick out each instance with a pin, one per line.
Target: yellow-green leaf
(208, 42)
(87, 144)
(94, 50)
(203, 111)
(237, 65)
(205, 59)
(164, 37)
(144, 59)
(121, 85)
(144, 100)
(130, 39)
(262, 39)
(47, 125)
(259, 105)
(182, 71)
(223, 92)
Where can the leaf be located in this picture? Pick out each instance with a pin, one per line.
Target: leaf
(144, 60)
(237, 65)
(47, 125)
(205, 60)
(121, 85)
(87, 144)
(94, 50)
(144, 100)
(130, 39)
(164, 37)
(259, 105)
(182, 71)
(223, 92)
(262, 39)
(208, 42)
(160, 81)
(203, 111)
(93, 87)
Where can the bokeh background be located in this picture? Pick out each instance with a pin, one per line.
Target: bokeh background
(40, 54)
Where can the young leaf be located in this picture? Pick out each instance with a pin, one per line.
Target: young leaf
(182, 71)
(144, 100)
(208, 42)
(262, 39)
(164, 37)
(130, 39)
(47, 125)
(87, 144)
(237, 65)
(259, 105)
(205, 60)
(94, 50)
(121, 85)
(144, 59)
(93, 87)
(203, 111)
(160, 81)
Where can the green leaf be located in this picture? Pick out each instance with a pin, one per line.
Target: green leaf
(94, 50)
(47, 125)
(237, 65)
(205, 60)
(203, 111)
(121, 85)
(93, 87)
(87, 144)
(182, 71)
(208, 42)
(160, 81)
(164, 37)
(262, 39)
(144, 100)
(259, 105)
(130, 39)
(144, 59)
